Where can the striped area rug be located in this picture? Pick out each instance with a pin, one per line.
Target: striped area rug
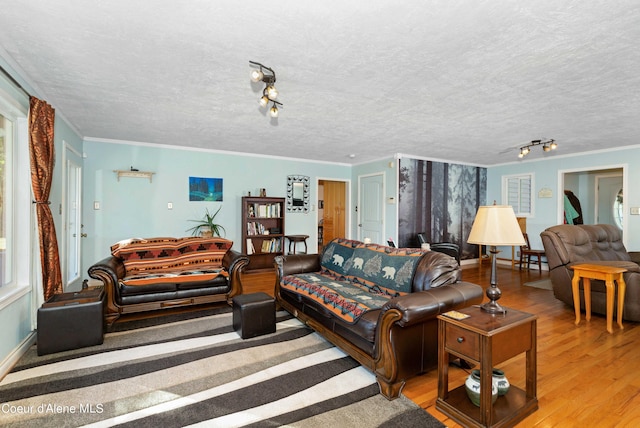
(199, 372)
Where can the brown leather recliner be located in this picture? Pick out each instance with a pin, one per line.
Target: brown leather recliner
(566, 245)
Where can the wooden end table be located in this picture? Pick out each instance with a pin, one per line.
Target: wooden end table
(610, 275)
(487, 340)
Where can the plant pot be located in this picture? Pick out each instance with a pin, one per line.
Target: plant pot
(206, 233)
(500, 381)
(472, 385)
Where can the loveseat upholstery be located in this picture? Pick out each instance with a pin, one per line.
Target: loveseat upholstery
(566, 245)
(377, 303)
(150, 274)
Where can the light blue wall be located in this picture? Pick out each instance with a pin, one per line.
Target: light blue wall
(135, 207)
(547, 172)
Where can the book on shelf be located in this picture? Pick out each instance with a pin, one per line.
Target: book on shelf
(250, 248)
(265, 210)
(273, 245)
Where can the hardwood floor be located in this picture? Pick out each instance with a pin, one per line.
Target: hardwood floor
(586, 376)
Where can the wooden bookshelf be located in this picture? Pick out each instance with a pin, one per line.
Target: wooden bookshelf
(263, 230)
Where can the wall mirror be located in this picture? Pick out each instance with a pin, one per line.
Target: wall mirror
(298, 194)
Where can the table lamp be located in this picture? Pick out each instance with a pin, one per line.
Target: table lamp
(495, 225)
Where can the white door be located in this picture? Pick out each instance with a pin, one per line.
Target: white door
(371, 208)
(72, 267)
(607, 188)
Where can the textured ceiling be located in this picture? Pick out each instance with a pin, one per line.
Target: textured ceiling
(467, 80)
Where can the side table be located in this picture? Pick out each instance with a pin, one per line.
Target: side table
(610, 275)
(487, 340)
(293, 241)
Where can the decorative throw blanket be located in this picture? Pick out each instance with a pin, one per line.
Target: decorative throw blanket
(346, 300)
(153, 255)
(356, 277)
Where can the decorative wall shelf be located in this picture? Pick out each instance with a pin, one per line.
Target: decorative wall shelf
(134, 174)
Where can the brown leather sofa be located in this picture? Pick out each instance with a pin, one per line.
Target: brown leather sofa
(566, 245)
(150, 274)
(379, 304)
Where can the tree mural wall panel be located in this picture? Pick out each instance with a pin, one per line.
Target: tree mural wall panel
(440, 200)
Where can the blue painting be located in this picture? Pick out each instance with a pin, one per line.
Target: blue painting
(205, 189)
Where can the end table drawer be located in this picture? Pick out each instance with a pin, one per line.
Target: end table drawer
(462, 341)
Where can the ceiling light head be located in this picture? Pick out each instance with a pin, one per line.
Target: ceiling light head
(553, 145)
(546, 148)
(273, 111)
(263, 101)
(256, 75)
(272, 92)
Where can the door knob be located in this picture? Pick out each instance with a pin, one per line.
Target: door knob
(83, 235)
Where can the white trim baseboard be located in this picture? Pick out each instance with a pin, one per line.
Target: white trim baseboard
(16, 354)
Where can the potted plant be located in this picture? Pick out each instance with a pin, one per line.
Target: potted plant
(207, 227)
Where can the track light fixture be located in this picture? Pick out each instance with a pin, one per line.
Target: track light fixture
(269, 93)
(547, 145)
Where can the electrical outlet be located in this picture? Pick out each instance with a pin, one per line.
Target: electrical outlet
(96, 205)
(635, 211)
(170, 205)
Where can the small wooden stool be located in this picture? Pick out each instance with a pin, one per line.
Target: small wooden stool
(609, 275)
(294, 239)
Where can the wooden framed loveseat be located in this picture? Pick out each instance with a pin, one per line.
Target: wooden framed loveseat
(149, 274)
(379, 304)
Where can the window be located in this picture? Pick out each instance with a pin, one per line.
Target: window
(517, 192)
(6, 200)
(15, 194)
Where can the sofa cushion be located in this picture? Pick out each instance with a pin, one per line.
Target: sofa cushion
(379, 268)
(384, 269)
(337, 255)
(345, 300)
(183, 277)
(154, 255)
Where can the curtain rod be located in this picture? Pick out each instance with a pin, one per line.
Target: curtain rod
(14, 81)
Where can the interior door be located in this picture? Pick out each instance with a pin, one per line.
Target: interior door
(72, 266)
(371, 208)
(334, 216)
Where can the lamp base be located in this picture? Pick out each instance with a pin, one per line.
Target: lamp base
(493, 307)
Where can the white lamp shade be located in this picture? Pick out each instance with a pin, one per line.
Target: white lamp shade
(263, 101)
(273, 111)
(496, 225)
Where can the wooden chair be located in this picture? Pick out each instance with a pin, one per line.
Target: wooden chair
(526, 253)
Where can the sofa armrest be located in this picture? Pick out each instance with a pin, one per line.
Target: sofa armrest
(108, 270)
(296, 263)
(424, 305)
(635, 256)
(235, 262)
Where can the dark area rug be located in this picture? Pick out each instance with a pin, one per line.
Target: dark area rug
(198, 371)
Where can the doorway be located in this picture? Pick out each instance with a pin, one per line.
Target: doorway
(599, 190)
(72, 215)
(371, 208)
(332, 211)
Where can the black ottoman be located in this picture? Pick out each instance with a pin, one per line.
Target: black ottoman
(254, 314)
(70, 321)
